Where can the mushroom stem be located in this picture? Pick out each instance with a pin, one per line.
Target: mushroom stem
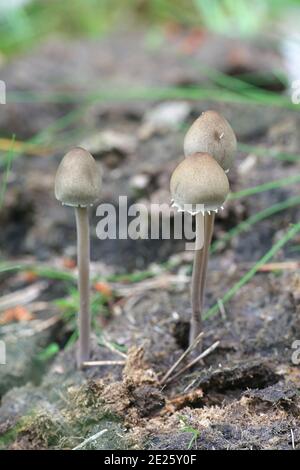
(199, 273)
(83, 261)
(196, 324)
(209, 220)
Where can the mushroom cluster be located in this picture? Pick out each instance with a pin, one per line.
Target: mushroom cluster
(199, 185)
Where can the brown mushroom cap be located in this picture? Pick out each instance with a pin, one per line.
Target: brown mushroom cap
(78, 179)
(212, 134)
(199, 180)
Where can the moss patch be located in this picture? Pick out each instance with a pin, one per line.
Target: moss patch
(67, 423)
(8, 437)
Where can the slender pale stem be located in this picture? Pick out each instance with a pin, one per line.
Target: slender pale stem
(195, 326)
(208, 232)
(199, 272)
(83, 261)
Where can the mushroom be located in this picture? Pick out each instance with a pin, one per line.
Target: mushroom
(78, 184)
(199, 186)
(212, 134)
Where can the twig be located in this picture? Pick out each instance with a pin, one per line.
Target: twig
(189, 386)
(22, 296)
(282, 266)
(194, 361)
(222, 309)
(29, 149)
(90, 439)
(45, 324)
(39, 306)
(102, 363)
(31, 328)
(162, 281)
(112, 348)
(186, 352)
(293, 439)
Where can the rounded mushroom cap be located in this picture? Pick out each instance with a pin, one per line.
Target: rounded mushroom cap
(78, 179)
(212, 134)
(199, 180)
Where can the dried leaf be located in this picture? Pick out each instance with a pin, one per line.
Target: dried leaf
(16, 314)
(103, 288)
(69, 263)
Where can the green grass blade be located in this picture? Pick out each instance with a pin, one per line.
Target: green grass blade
(259, 216)
(268, 152)
(42, 271)
(251, 273)
(4, 181)
(264, 187)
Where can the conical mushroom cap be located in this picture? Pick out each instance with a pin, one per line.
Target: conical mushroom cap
(199, 181)
(212, 134)
(78, 179)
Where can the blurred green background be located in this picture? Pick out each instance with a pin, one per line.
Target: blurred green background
(23, 23)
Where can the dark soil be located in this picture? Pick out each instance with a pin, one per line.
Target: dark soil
(245, 394)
